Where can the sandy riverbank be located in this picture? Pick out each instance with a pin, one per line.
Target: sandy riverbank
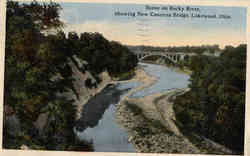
(145, 129)
(148, 131)
(153, 129)
(88, 93)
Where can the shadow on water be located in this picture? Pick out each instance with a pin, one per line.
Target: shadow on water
(98, 122)
(93, 111)
(98, 125)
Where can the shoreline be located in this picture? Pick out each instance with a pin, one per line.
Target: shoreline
(161, 132)
(106, 81)
(164, 135)
(160, 136)
(159, 140)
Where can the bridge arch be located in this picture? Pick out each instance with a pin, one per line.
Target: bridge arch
(172, 58)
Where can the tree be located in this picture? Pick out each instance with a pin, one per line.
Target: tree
(216, 103)
(36, 70)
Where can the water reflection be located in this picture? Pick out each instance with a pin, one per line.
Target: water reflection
(97, 122)
(108, 136)
(93, 111)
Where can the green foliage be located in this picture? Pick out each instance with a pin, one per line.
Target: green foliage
(126, 76)
(36, 70)
(215, 106)
(187, 49)
(101, 54)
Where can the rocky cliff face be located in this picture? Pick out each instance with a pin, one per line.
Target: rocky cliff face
(82, 76)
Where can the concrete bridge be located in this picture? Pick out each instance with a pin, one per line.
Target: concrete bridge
(172, 56)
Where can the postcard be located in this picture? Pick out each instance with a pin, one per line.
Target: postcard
(116, 77)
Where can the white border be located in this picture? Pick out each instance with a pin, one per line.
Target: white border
(2, 54)
(242, 3)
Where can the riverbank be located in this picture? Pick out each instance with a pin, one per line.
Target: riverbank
(148, 131)
(85, 93)
(143, 121)
(164, 105)
(151, 124)
(98, 116)
(88, 93)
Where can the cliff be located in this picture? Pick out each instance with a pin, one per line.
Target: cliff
(82, 93)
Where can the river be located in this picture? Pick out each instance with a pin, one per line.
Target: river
(97, 122)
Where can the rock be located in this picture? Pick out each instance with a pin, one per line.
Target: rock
(81, 93)
(24, 147)
(80, 63)
(130, 138)
(41, 122)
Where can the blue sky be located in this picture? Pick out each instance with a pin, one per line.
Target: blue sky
(156, 31)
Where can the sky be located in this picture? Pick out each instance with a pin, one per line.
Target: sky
(157, 31)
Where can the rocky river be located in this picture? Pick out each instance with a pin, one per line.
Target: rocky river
(98, 123)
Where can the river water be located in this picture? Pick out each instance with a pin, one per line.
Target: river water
(97, 122)
(167, 78)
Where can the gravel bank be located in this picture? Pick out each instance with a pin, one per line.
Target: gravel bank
(150, 124)
(144, 124)
(148, 135)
